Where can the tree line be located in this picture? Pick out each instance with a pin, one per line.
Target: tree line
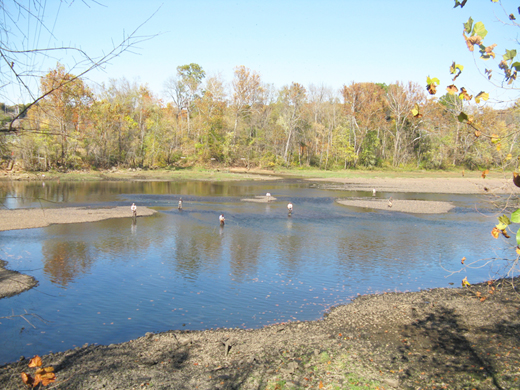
(206, 121)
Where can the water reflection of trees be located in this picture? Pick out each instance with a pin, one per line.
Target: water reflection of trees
(245, 249)
(290, 247)
(24, 194)
(196, 249)
(64, 261)
(393, 248)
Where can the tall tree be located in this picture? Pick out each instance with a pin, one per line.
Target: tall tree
(365, 107)
(292, 99)
(247, 92)
(402, 98)
(63, 111)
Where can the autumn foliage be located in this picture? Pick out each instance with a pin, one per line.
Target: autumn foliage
(42, 376)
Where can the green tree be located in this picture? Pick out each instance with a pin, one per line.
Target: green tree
(185, 87)
(292, 98)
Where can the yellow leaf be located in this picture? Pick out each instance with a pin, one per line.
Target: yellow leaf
(47, 378)
(482, 95)
(463, 260)
(452, 89)
(517, 250)
(27, 379)
(495, 232)
(45, 370)
(509, 156)
(465, 282)
(464, 94)
(35, 361)
(37, 380)
(415, 111)
(473, 40)
(499, 146)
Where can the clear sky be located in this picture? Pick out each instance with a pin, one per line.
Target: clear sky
(329, 42)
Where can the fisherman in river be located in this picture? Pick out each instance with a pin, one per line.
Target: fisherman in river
(222, 219)
(134, 210)
(290, 208)
(180, 204)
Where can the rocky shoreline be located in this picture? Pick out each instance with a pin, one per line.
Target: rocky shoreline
(459, 338)
(13, 282)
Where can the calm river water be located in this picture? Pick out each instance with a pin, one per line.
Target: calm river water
(111, 281)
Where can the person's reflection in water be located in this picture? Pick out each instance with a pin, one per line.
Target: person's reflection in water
(221, 229)
(133, 228)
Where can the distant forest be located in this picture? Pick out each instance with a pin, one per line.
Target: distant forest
(207, 122)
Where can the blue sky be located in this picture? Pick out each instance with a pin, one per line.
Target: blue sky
(329, 42)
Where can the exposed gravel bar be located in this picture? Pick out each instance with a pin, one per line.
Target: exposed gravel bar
(13, 282)
(423, 185)
(405, 206)
(40, 217)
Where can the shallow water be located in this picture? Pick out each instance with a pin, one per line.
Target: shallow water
(111, 281)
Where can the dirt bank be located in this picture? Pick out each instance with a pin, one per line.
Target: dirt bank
(465, 338)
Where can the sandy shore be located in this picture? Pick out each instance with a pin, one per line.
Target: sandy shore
(41, 217)
(423, 185)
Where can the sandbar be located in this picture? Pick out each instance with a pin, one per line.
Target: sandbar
(41, 217)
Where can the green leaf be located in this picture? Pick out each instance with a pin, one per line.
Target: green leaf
(480, 30)
(515, 217)
(505, 220)
(518, 237)
(516, 65)
(454, 67)
(468, 25)
(510, 54)
(463, 117)
(434, 80)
